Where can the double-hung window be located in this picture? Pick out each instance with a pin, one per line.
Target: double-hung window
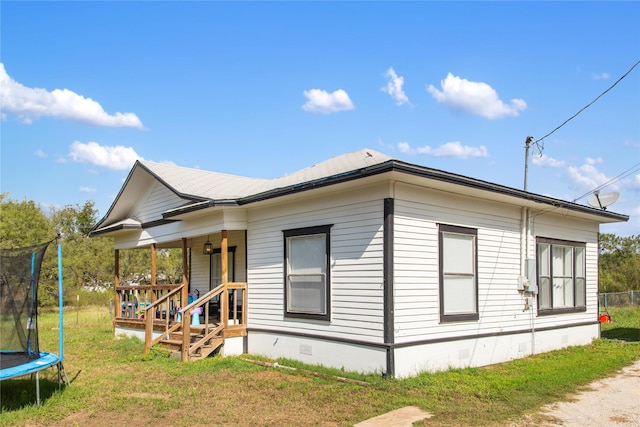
(307, 278)
(458, 273)
(561, 276)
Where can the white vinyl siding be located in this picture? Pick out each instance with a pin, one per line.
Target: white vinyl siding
(416, 264)
(356, 297)
(500, 306)
(158, 200)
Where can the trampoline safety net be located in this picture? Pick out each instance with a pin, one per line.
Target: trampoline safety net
(19, 276)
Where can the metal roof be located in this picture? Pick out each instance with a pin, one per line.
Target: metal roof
(203, 189)
(196, 183)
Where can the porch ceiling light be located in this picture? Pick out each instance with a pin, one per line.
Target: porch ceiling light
(207, 249)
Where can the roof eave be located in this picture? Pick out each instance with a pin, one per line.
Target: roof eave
(196, 207)
(139, 164)
(380, 168)
(501, 189)
(439, 175)
(102, 232)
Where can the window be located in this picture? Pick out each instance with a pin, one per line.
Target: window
(561, 276)
(307, 273)
(458, 273)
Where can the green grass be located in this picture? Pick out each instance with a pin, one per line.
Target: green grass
(113, 383)
(624, 325)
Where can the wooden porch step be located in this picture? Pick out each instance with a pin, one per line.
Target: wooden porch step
(171, 344)
(178, 335)
(175, 347)
(207, 349)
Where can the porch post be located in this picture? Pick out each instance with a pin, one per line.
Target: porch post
(154, 268)
(153, 272)
(224, 306)
(116, 283)
(186, 316)
(185, 276)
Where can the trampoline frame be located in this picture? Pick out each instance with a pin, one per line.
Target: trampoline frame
(45, 359)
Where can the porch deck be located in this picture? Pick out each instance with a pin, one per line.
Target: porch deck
(190, 326)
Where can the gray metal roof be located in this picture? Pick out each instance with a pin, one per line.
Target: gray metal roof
(202, 189)
(218, 186)
(201, 184)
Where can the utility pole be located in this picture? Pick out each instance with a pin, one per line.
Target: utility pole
(526, 159)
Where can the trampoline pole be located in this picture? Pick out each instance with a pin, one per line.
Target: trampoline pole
(60, 301)
(38, 388)
(32, 307)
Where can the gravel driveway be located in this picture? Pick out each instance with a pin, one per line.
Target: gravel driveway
(613, 401)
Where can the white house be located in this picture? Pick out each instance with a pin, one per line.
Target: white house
(366, 263)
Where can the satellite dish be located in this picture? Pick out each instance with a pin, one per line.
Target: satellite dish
(598, 200)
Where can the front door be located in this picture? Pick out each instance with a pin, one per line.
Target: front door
(215, 279)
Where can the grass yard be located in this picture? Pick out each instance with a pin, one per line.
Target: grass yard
(113, 383)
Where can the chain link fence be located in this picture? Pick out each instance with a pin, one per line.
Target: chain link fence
(619, 299)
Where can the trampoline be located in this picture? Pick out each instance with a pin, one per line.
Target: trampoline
(20, 353)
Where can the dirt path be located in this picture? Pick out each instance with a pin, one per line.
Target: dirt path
(613, 401)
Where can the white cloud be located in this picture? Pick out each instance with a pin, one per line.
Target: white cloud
(29, 104)
(111, 157)
(87, 190)
(475, 98)
(601, 76)
(588, 177)
(40, 153)
(546, 161)
(321, 101)
(394, 87)
(449, 149)
(633, 183)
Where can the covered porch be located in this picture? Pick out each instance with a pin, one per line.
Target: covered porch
(198, 315)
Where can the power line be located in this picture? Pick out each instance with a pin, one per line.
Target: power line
(540, 142)
(633, 169)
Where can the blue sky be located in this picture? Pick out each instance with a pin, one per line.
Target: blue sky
(264, 89)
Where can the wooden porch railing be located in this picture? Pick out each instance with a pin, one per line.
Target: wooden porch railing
(131, 300)
(161, 304)
(232, 321)
(209, 331)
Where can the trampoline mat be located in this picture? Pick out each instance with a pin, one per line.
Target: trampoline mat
(14, 358)
(15, 364)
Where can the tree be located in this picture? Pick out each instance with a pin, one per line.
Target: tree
(170, 265)
(88, 262)
(135, 265)
(23, 223)
(619, 263)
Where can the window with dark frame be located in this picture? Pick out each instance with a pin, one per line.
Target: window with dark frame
(458, 273)
(307, 274)
(561, 269)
